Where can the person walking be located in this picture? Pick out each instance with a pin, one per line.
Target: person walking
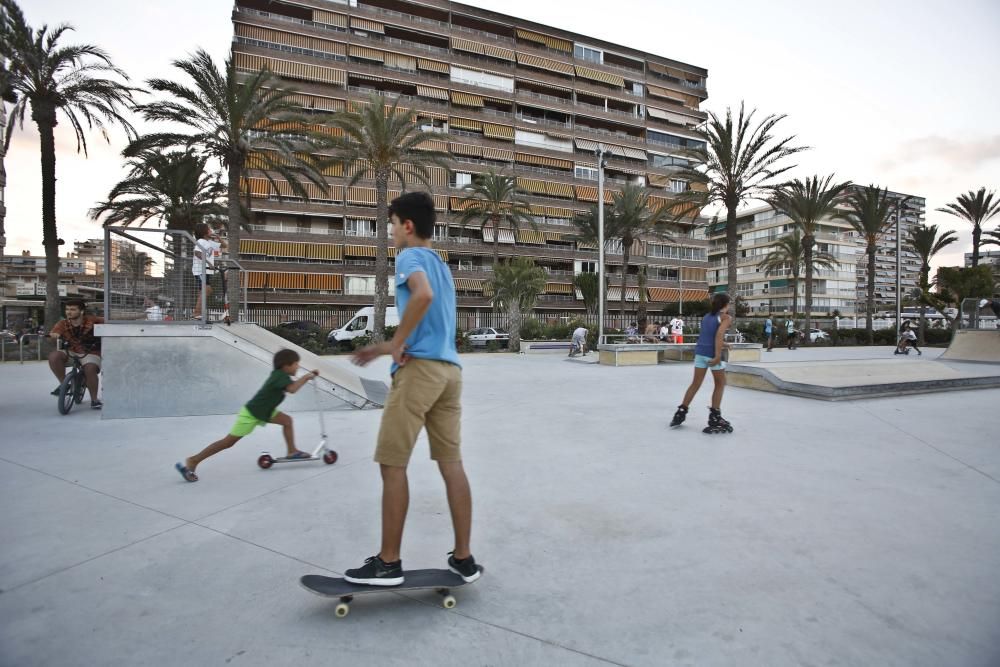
(793, 334)
(709, 354)
(769, 332)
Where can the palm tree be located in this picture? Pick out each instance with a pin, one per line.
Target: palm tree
(53, 78)
(629, 218)
(957, 284)
(492, 199)
(990, 238)
(587, 284)
(516, 286)
(738, 163)
(977, 208)
(788, 253)
(869, 210)
(172, 188)
(924, 241)
(808, 203)
(383, 142)
(233, 116)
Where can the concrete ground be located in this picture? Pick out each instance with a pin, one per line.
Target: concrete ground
(861, 533)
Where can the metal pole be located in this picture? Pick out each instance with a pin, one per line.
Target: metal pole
(600, 243)
(680, 276)
(107, 274)
(899, 296)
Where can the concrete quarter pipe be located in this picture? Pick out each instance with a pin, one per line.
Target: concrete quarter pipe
(974, 345)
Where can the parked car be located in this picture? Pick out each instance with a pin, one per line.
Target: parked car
(818, 334)
(300, 325)
(482, 337)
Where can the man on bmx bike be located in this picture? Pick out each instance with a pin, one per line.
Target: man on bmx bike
(77, 334)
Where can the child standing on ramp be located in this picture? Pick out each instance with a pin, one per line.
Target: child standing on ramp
(426, 393)
(260, 410)
(708, 355)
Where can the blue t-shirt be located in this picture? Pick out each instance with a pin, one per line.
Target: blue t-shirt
(434, 336)
(767, 326)
(706, 339)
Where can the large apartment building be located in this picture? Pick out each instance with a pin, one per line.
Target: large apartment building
(843, 288)
(524, 99)
(758, 229)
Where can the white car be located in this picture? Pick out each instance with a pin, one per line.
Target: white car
(818, 334)
(481, 337)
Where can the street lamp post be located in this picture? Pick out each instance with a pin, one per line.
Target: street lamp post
(600, 242)
(680, 280)
(899, 296)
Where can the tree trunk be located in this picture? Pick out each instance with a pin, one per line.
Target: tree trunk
(924, 286)
(795, 294)
(381, 253)
(626, 247)
(45, 119)
(977, 232)
(871, 293)
(496, 241)
(235, 228)
(808, 241)
(643, 317)
(514, 329)
(732, 241)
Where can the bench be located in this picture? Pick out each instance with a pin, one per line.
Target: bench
(650, 354)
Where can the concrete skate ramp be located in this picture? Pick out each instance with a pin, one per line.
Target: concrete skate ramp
(853, 379)
(974, 345)
(176, 370)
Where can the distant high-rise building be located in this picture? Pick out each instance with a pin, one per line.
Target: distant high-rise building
(93, 250)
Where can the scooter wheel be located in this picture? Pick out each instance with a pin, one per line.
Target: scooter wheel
(330, 457)
(265, 461)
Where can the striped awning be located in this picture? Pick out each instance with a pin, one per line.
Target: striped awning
(362, 196)
(673, 295)
(615, 80)
(432, 145)
(552, 236)
(366, 53)
(326, 282)
(401, 61)
(466, 124)
(531, 185)
(558, 288)
(664, 93)
(657, 180)
(469, 284)
(316, 102)
(586, 245)
(459, 204)
(359, 250)
(557, 212)
(544, 161)
(466, 99)
(586, 144)
(493, 131)
(367, 24)
(529, 60)
(468, 150)
(506, 235)
(546, 40)
(329, 18)
(433, 93)
(499, 154)
(586, 193)
(324, 251)
(246, 62)
(671, 117)
(433, 66)
(559, 189)
(672, 71)
(627, 170)
(615, 294)
(467, 45)
(530, 236)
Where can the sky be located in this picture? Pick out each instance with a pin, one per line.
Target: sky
(892, 92)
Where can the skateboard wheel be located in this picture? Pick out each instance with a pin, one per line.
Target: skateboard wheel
(265, 461)
(343, 609)
(330, 457)
(449, 601)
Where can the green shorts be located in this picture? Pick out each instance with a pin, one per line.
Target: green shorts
(246, 423)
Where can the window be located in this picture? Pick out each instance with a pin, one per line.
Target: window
(637, 89)
(587, 267)
(656, 160)
(586, 53)
(359, 228)
(590, 173)
(461, 179)
(363, 285)
(678, 185)
(465, 265)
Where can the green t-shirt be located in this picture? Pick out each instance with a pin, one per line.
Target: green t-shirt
(269, 396)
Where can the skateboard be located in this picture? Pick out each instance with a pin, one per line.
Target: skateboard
(441, 581)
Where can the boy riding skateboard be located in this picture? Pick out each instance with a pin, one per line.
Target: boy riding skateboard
(426, 393)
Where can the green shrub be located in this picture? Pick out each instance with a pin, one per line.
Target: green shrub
(492, 346)
(313, 341)
(361, 341)
(462, 343)
(532, 329)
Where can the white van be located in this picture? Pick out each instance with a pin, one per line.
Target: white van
(362, 323)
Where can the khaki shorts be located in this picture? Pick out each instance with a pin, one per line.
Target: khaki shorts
(87, 358)
(424, 394)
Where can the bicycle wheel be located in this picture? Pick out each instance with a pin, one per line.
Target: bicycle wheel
(67, 393)
(79, 387)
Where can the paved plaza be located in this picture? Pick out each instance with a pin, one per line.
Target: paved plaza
(853, 533)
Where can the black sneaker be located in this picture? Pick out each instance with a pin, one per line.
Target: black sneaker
(55, 392)
(96, 405)
(376, 572)
(465, 568)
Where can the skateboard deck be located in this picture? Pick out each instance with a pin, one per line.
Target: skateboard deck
(441, 581)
